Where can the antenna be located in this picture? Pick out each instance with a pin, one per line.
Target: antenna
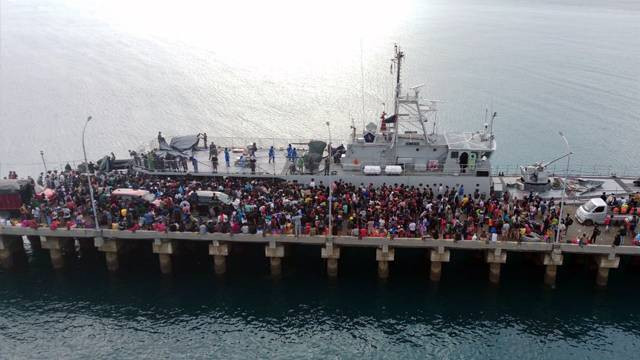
(397, 60)
(495, 114)
(362, 80)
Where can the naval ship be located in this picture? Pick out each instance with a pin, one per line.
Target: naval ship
(403, 147)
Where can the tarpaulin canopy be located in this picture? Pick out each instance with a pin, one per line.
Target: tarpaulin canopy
(183, 143)
(12, 186)
(180, 146)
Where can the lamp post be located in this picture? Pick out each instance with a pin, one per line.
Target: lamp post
(330, 187)
(43, 162)
(84, 151)
(564, 184)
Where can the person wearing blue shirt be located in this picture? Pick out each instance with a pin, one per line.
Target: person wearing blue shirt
(226, 156)
(272, 154)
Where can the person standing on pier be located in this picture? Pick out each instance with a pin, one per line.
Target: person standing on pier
(594, 235)
(567, 222)
(297, 222)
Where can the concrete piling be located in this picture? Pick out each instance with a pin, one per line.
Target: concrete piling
(60, 249)
(551, 261)
(11, 249)
(219, 251)
(331, 253)
(111, 249)
(384, 255)
(606, 262)
(164, 248)
(436, 258)
(275, 253)
(495, 258)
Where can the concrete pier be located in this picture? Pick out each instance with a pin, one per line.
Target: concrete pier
(164, 248)
(495, 259)
(114, 243)
(275, 253)
(331, 253)
(219, 251)
(111, 249)
(436, 258)
(384, 255)
(551, 261)
(11, 250)
(60, 250)
(606, 262)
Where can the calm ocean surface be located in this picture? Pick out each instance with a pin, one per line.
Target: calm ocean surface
(87, 313)
(281, 69)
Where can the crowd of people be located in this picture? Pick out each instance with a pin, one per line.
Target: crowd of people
(260, 206)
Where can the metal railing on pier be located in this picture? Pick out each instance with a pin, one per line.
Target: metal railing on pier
(577, 170)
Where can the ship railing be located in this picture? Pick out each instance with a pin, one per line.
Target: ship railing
(577, 170)
(261, 142)
(33, 169)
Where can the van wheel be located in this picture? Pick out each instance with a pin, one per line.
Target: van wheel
(588, 222)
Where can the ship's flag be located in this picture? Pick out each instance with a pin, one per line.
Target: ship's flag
(391, 119)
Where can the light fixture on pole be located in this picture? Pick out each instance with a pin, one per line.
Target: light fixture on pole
(43, 162)
(86, 163)
(564, 184)
(330, 184)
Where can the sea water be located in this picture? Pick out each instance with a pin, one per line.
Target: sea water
(281, 69)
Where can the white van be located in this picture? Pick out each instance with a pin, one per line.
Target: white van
(595, 211)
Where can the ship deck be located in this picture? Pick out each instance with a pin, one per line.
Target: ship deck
(280, 169)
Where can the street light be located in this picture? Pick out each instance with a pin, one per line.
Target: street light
(330, 190)
(43, 162)
(564, 184)
(84, 151)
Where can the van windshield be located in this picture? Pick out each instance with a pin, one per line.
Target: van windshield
(589, 206)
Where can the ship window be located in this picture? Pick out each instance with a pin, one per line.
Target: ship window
(477, 185)
(434, 149)
(417, 149)
(454, 154)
